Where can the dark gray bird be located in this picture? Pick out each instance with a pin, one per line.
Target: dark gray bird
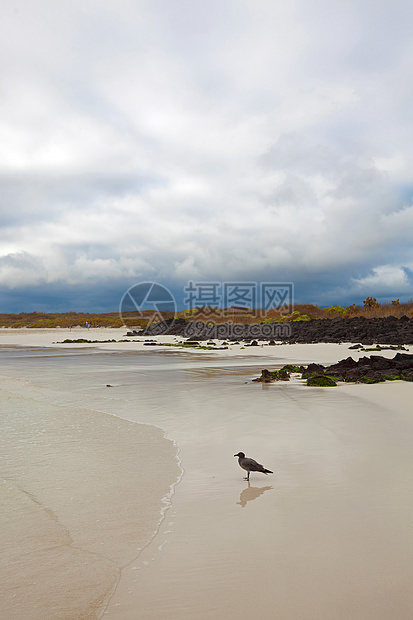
(250, 465)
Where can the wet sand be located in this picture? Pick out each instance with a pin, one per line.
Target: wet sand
(329, 535)
(76, 504)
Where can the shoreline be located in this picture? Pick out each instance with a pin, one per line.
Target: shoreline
(314, 351)
(390, 330)
(341, 458)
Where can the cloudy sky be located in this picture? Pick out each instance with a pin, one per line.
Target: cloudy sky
(204, 140)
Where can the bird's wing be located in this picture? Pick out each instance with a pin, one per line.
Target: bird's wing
(252, 465)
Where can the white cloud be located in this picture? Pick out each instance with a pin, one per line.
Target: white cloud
(213, 140)
(20, 269)
(386, 279)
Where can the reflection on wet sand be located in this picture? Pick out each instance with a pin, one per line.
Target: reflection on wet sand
(250, 493)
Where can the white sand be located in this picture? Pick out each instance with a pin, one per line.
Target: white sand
(329, 535)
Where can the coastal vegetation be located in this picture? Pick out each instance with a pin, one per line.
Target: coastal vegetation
(371, 308)
(39, 320)
(321, 381)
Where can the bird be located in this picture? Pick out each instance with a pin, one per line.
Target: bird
(250, 465)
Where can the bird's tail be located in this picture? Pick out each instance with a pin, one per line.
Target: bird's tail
(268, 471)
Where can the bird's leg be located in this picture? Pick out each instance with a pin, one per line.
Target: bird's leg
(248, 477)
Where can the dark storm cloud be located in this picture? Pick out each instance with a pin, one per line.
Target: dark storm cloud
(212, 141)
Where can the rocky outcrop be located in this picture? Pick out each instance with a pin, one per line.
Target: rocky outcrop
(373, 369)
(387, 330)
(269, 376)
(321, 381)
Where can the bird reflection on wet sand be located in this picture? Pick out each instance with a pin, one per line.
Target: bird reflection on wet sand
(250, 493)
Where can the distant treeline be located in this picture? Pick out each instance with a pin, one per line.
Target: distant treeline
(371, 308)
(302, 312)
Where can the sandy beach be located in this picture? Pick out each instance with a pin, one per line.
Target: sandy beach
(127, 501)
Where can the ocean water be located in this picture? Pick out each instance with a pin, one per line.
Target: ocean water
(328, 535)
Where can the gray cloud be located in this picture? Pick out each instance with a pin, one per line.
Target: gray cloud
(227, 140)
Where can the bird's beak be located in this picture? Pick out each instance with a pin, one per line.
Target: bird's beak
(235, 454)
